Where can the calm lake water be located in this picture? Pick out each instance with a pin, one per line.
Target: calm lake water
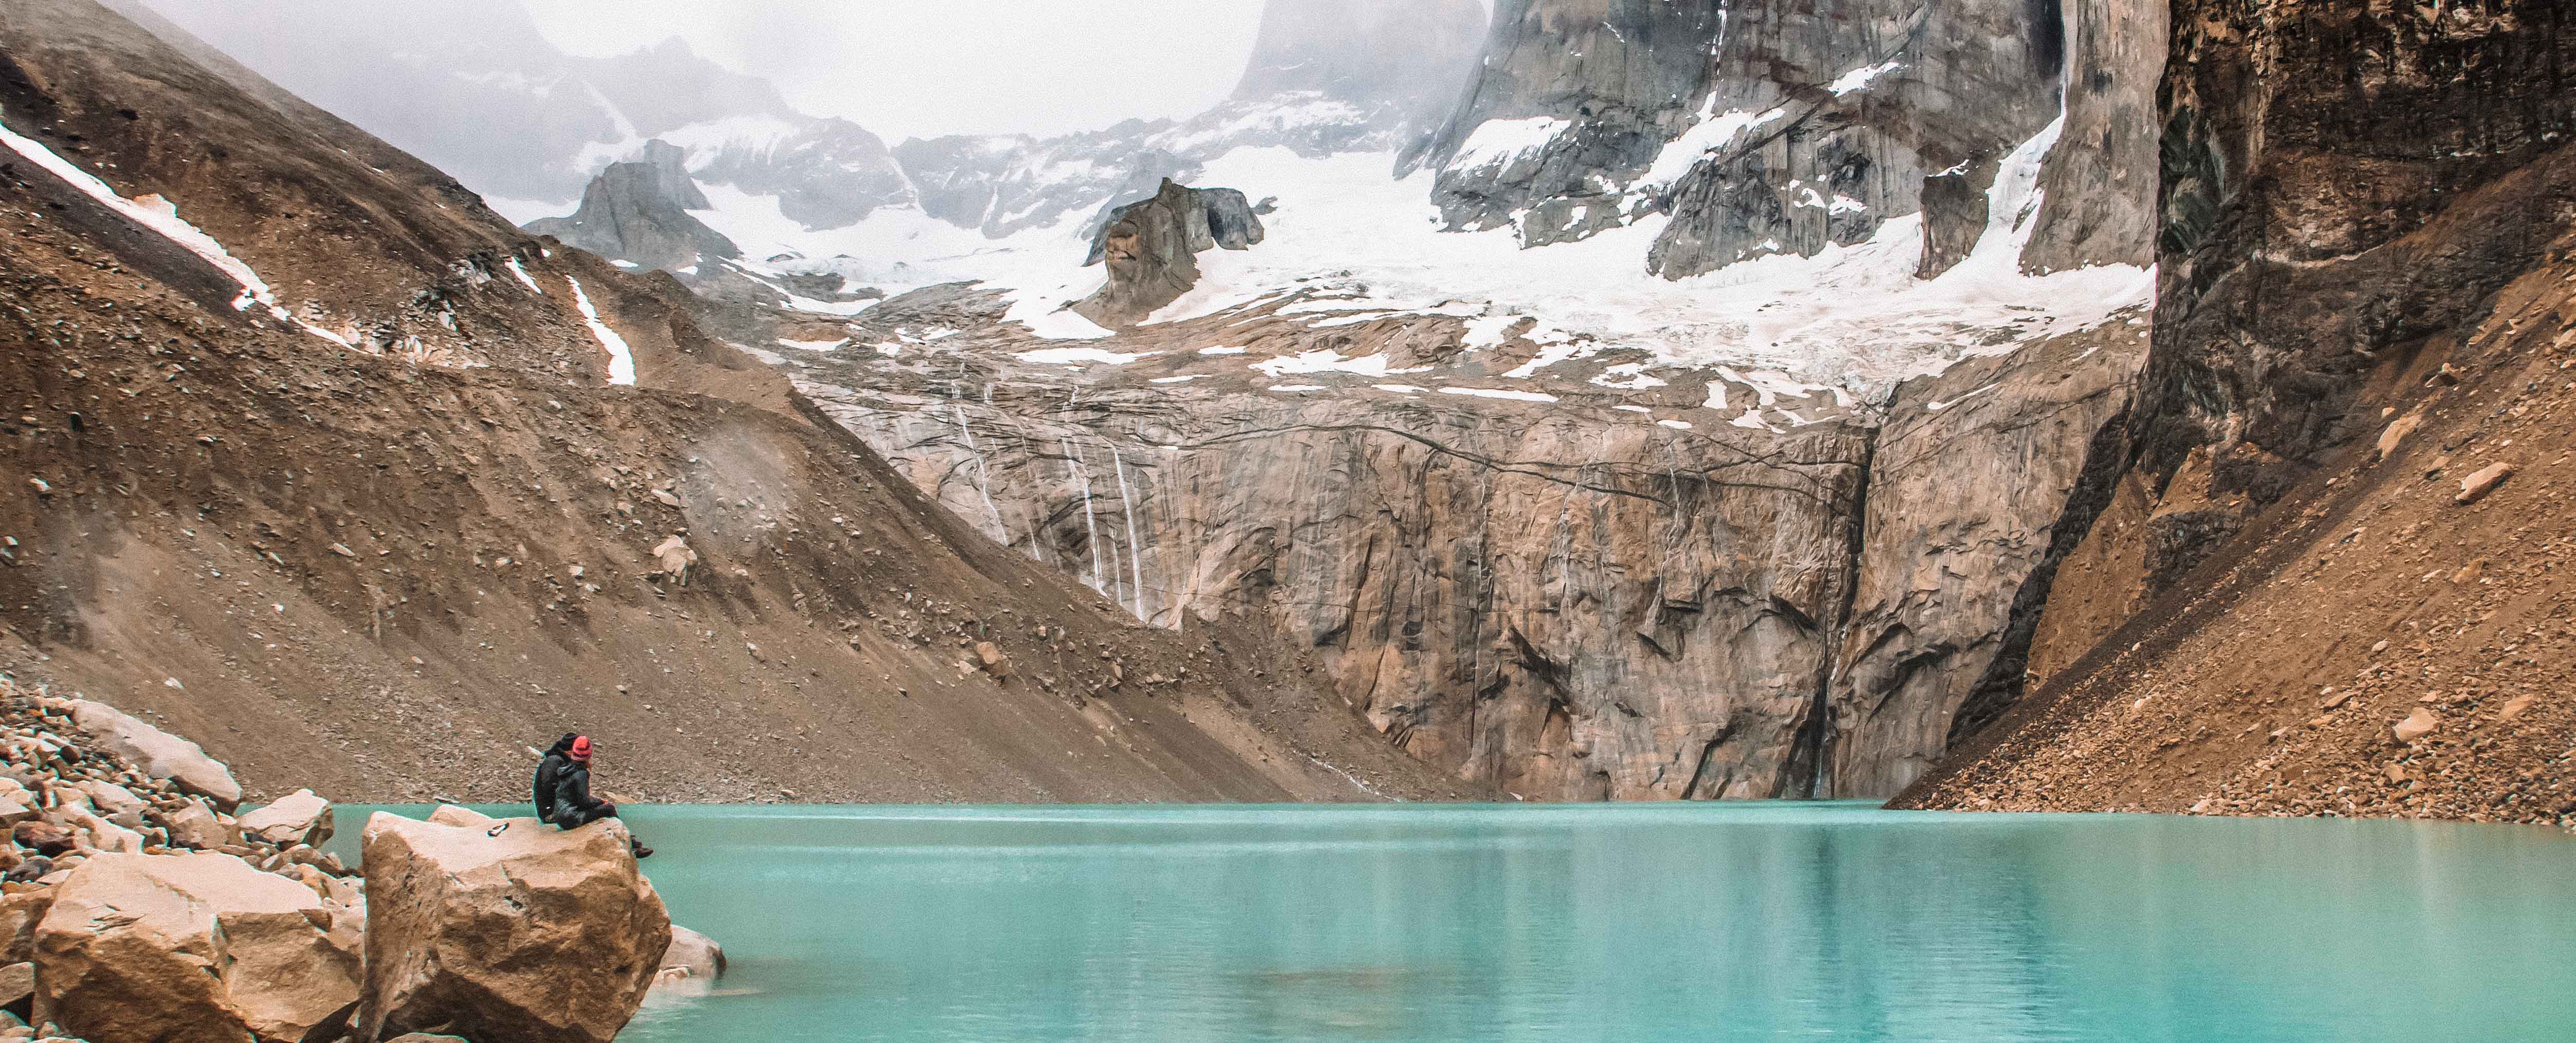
(1629, 923)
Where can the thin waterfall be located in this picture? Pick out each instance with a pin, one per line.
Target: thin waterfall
(1090, 524)
(1135, 543)
(983, 472)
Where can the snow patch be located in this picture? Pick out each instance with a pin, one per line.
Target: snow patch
(1936, 405)
(1516, 396)
(1072, 356)
(1861, 77)
(621, 359)
(1712, 133)
(1327, 361)
(521, 271)
(1498, 142)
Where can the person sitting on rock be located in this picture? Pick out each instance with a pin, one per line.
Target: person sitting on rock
(562, 789)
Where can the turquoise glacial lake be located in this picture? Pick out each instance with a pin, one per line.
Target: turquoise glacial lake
(1635, 923)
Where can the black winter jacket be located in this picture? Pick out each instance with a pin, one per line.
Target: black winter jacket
(562, 790)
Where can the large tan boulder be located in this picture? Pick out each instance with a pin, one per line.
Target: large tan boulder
(159, 753)
(508, 931)
(297, 818)
(189, 948)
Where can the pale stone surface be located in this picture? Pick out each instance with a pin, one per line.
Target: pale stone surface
(523, 933)
(97, 833)
(159, 754)
(110, 798)
(2476, 486)
(2417, 725)
(17, 982)
(198, 826)
(190, 947)
(462, 818)
(297, 818)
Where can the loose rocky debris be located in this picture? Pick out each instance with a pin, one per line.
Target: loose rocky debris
(133, 908)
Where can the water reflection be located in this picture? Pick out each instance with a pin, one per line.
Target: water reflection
(1611, 923)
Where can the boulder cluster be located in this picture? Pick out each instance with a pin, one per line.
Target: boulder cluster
(136, 905)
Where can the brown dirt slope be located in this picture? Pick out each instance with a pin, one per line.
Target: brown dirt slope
(384, 569)
(2272, 678)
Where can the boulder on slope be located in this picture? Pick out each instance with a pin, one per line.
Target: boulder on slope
(513, 931)
(197, 826)
(159, 754)
(187, 948)
(297, 818)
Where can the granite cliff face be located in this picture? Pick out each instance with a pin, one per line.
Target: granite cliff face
(1756, 128)
(1563, 589)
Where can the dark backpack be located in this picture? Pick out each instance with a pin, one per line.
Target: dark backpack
(544, 787)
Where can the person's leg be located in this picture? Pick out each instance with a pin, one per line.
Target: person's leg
(633, 842)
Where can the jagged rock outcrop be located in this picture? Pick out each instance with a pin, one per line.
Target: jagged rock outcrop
(1760, 128)
(517, 931)
(191, 947)
(1955, 212)
(639, 212)
(2098, 187)
(2303, 232)
(1151, 248)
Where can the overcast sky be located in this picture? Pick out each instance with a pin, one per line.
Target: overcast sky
(930, 67)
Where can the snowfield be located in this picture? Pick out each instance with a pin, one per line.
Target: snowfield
(1852, 319)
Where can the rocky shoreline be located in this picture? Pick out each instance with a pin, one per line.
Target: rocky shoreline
(139, 903)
